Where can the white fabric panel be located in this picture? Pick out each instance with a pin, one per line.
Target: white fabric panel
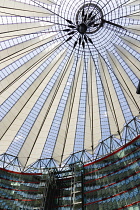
(114, 110)
(14, 30)
(135, 15)
(36, 139)
(24, 46)
(132, 2)
(130, 60)
(21, 70)
(133, 43)
(14, 8)
(65, 141)
(92, 125)
(10, 59)
(133, 28)
(50, 110)
(46, 1)
(18, 108)
(125, 81)
(12, 131)
(10, 78)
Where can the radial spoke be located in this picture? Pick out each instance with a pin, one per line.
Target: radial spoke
(111, 23)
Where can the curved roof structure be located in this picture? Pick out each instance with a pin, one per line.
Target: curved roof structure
(69, 73)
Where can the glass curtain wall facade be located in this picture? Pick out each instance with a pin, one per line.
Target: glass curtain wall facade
(20, 190)
(111, 183)
(114, 181)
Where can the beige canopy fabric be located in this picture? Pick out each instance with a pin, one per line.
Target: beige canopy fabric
(92, 122)
(36, 139)
(13, 53)
(133, 43)
(11, 78)
(135, 15)
(46, 1)
(67, 131)
(133, 28)
(114, 110)
(20, 29)
(128, 87)
(130, 60)
(132, 2)
(12, 8)
(14, 119)
(63, 90)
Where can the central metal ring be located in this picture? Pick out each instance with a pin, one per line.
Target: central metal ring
(95, 21)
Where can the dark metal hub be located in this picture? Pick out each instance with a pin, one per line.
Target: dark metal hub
(89, 19)
(82, 28)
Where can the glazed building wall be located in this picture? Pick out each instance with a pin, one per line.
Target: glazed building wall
(69, 189)
(113, 182)
(110, 183)
(20, 190)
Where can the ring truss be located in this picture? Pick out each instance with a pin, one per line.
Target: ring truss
(69, 73)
